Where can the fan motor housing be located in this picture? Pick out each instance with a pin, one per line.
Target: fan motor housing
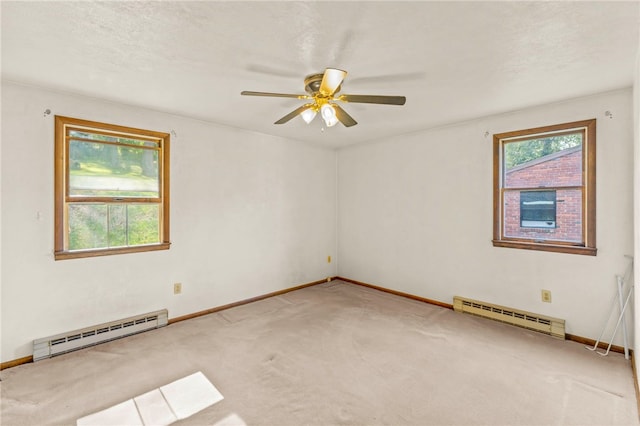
(312, 84)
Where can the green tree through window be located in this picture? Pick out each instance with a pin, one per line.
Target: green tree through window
(525, 151)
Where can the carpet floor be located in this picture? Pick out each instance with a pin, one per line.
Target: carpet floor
(337, 354)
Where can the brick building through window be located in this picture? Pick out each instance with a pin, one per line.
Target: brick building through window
(528, 213)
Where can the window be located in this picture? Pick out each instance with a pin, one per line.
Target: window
(544, 195)
(111, 189)
(537, 209)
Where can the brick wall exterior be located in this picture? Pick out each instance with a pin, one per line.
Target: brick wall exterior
(559, 169)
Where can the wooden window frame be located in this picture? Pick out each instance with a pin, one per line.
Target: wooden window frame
(588, 244)
(61, 153)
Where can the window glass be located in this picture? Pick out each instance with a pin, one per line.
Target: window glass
(107, 170)
(552, 161)
(538, 209)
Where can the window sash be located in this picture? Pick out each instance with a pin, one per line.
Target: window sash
(69, 196)
(581, 242)
(538, 137)
(114, 221)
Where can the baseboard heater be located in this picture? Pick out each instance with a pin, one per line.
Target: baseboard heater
(543, 324)
(78, 339)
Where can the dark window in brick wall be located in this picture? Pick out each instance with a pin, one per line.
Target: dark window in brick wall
(538, 209)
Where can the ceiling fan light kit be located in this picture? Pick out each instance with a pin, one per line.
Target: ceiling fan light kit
(322, 89)
(309, 114)
(329, 115)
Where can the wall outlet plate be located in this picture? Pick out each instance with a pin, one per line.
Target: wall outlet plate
(546, 296)
(177, 288)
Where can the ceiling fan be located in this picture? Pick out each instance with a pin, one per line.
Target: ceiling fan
(322, 91)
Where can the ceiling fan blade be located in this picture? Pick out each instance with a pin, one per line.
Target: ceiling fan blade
(294, 113)
(343, 117)
(331, 80)
(374, 99)
(275, 95)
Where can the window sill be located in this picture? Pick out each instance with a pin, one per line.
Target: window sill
(63, 255)
(557, 248)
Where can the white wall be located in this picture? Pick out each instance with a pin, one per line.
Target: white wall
(415, 215)
(250, 214)
(636, 193)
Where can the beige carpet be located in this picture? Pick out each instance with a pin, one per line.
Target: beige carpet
(337, 354)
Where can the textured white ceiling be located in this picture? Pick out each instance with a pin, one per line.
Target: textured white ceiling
(452, 60)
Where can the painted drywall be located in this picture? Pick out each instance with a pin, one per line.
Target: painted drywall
(250, 214)
(636, 198)
(415, 215)
(1, 224)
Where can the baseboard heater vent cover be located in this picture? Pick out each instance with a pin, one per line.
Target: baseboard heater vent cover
(78, 339)
(548, 325)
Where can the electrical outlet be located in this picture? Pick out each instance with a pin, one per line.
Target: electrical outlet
(328, 259)
(546, 296)
(177, 288)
